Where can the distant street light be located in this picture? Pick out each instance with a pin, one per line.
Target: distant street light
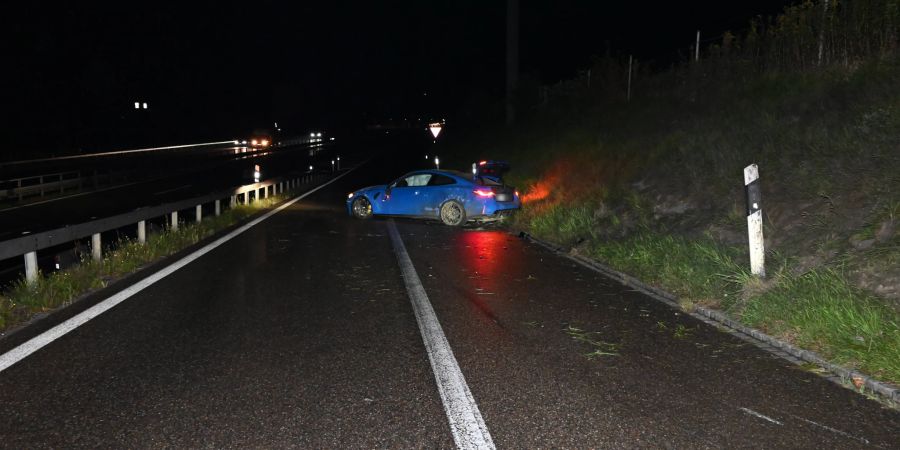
(437, 163)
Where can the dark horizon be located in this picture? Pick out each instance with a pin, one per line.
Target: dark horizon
(221, 71)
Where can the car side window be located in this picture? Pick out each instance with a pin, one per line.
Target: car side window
(441, 180)
(419, 179)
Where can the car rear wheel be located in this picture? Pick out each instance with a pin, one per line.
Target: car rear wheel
(362, 209)
(453, 213)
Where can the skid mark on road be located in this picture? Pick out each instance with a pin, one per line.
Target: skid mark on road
(466, 424)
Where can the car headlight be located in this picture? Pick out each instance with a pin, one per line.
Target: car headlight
(350, 195)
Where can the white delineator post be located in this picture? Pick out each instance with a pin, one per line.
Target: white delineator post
(31, 267)
(754, 220)
(142, 232)
(96, 247)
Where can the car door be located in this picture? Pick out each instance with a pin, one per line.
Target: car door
(408, 195)
(440, 188)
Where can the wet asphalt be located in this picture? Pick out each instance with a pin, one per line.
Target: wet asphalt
(299, 333)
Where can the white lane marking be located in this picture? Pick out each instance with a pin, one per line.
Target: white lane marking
(36, 343)
(466, 424)
(756, 414)
(119, 152)
(833, 430)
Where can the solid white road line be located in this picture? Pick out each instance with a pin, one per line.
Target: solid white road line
(466, 424)
(22, 351)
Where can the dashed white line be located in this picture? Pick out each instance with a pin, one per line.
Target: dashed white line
(756, 414)
(466, 424)
(833, 430)
(36, 343)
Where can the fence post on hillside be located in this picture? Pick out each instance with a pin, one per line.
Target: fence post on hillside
(173, 224)
(754, 220)
(628, 91)
(218, 207)
(697, 48)
(198, 213)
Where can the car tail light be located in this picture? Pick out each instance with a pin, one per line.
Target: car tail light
(484, 193)
(482, 163)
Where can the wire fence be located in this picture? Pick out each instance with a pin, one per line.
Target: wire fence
(807, 36)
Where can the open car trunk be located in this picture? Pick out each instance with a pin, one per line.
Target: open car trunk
(490, 173)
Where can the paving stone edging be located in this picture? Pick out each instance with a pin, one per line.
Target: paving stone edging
(884, 391)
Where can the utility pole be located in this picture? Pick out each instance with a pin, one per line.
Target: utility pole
(512, 57)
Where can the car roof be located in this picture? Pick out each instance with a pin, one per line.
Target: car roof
(452, 173)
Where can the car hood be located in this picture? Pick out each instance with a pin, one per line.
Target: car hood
(371, 189)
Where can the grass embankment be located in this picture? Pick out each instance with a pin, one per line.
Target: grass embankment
(654, 187)
(21, 301)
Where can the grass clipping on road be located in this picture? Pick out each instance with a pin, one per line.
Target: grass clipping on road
(21, 301)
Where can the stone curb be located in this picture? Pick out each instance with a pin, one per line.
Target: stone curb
(884, 391)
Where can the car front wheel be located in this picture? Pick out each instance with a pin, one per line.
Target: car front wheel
(453, 213)
(362, 209)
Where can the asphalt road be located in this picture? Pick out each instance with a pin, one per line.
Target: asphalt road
(301, 332)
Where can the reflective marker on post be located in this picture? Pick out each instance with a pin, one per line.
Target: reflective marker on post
(754, 220)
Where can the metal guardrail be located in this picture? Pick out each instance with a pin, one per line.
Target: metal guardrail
(40, 185)
(28, 245)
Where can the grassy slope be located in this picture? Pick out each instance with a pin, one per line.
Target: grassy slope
(654, 187)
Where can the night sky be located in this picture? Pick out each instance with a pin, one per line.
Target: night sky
(216, 70)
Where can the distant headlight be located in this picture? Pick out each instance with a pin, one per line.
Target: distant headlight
(350, 195)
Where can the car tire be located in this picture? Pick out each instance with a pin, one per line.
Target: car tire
(362, 208)
(453, 213)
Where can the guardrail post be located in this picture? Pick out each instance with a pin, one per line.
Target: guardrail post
(142, 232)
(198, 213)
(173, 224)
(96, 247)
(218, 208)
(31, 267)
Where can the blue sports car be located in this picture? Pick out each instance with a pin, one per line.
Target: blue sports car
(452, 197)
